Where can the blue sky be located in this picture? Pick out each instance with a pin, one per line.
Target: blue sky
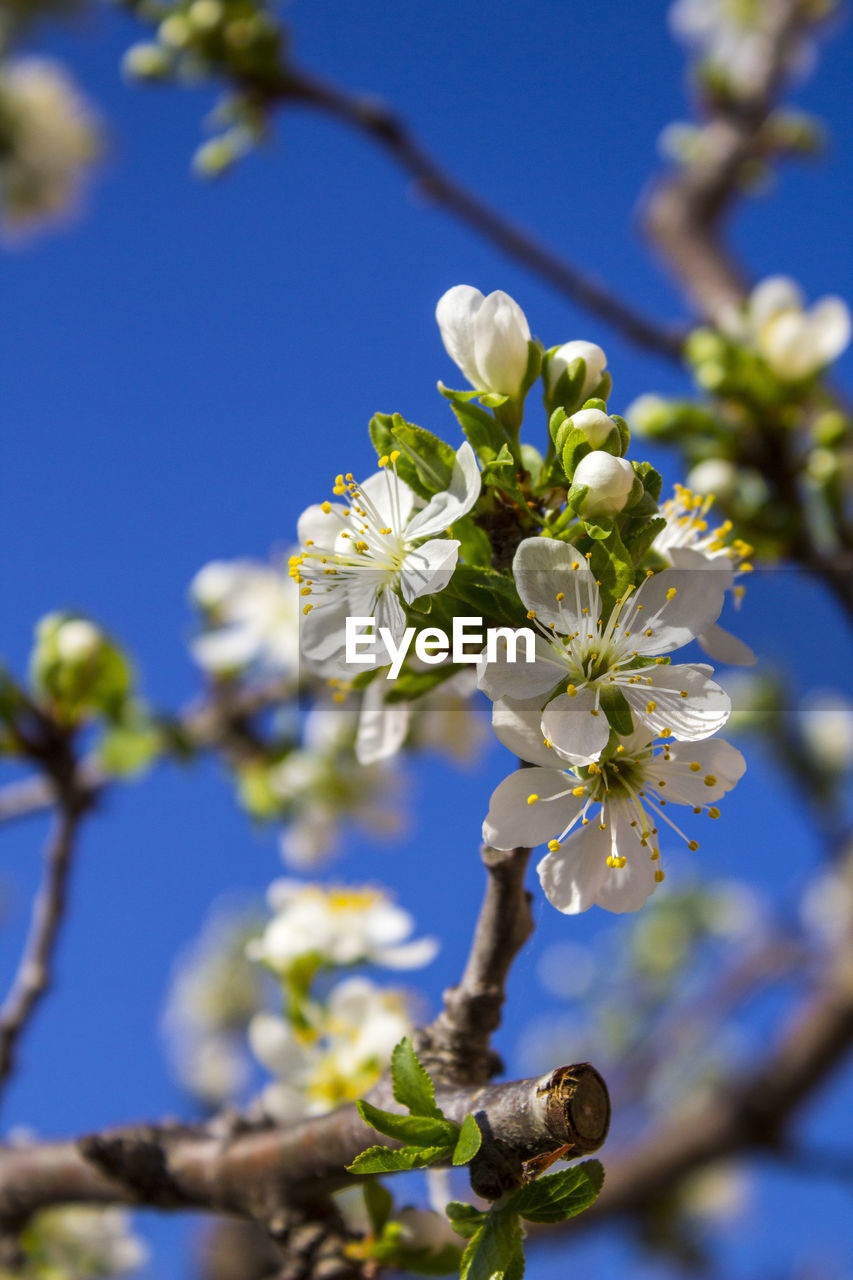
(189, 366)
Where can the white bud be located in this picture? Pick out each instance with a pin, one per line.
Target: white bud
(486, 337)
(77, 640)
(592, 356)
(595, 425)
(713, 476)
(609, 480)
(647, 414)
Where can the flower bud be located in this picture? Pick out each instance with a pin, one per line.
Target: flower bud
(146, 62)
(486, 337)
(714, 476)
(609, 480)
(593, 357)
(595, 425)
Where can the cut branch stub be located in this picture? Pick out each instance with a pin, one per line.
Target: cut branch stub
(578, 1104)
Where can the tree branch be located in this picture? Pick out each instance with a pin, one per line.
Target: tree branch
(686, 209)
(258, 1173)
(34, 974)
(371, 117)
(457, 1044)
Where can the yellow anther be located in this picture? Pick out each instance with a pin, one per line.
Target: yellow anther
(578, 791)
(531, 613)
(647, 632)
(659, 876)
(682, 693)
(561, 595)
(671, 593)
(620, 749)
(654, 855)
(571, 691)
(350, 478)
(307, 608)
(325, 507)
(383, 461)
(532, 798)
(546, 743)
(554, 845)
(393, 456)
(650, 707)
(362, 546)
(305, 591)
(713, 812)
(692, 845)
(695, 766)
(575, 565)
(710, 780)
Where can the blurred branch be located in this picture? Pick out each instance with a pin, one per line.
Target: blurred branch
(686, 209)
(370, 116)
(35, 969)
(457, 1042)
(259, 1173)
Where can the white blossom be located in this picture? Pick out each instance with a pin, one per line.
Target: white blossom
(585, 654)
(610, 481)
(486, 337)
(794, 342)
(601, 824)
(336, 1061)
(80, 1240)
(339, 924)
(687, 543)
(826, 724)
(252, 617)
(51, 139)
(713, 476)
(595, 363)
(596, 426)
(365, 558)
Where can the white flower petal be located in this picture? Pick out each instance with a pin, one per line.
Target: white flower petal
(520, 680)
(518, 726)
(829, 329)
(772, 296)
(455, 315)
(410, 955)
(428, 568)
(392, 498)
(512, 823)
(577, 729)
(320, 526)
(456, 501)
(543, 567)
(680, 700)
(722, 646)
(389, 614)
(628, 888)
(572, 877)
(718, 760)
(696, 603)
(382, 726)
(501, 335)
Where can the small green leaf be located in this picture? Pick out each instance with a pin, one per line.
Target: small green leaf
(468, 1143)
(464, 1218)
(414, 1130)
(559, 1195)
(475, 549)
(641, 535)
(384, 1160)
(495, 1251)
(411, 1085)
(613, 567)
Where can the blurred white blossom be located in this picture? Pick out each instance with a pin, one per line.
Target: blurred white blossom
(251, 616)
(826, 724)
(335, 1061)
(339, 924)
(79, 1243)
(793, 341)
(49, 140)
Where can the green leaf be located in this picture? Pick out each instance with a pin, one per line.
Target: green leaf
(468, 1143)
(475, 548)
(432, 459)
(384, 1160)
(464, 1218)
(410, 1082)
(617, 710)
(558, 1196)
(415, 1130)
(425, 1263)
(410, 685)
(483, 432)
(378, 1202)
(641, 535)
(127, 749)
(495, 1251)
(652, 480)
(613, 568)
(486, 594)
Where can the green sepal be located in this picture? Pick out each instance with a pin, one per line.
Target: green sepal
(410, 1082)
(652, 479)
(600, 528)
(468, 1142)
(495, 1251)
(624, 433)
(483, 432)
(464, 1218)
(561, 1195)
(384, 1160)
(414, 1130)
(566, 391)
(615, 706)
(576, 495)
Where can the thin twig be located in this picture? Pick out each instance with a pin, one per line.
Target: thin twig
(382, 126)
(35, 969)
